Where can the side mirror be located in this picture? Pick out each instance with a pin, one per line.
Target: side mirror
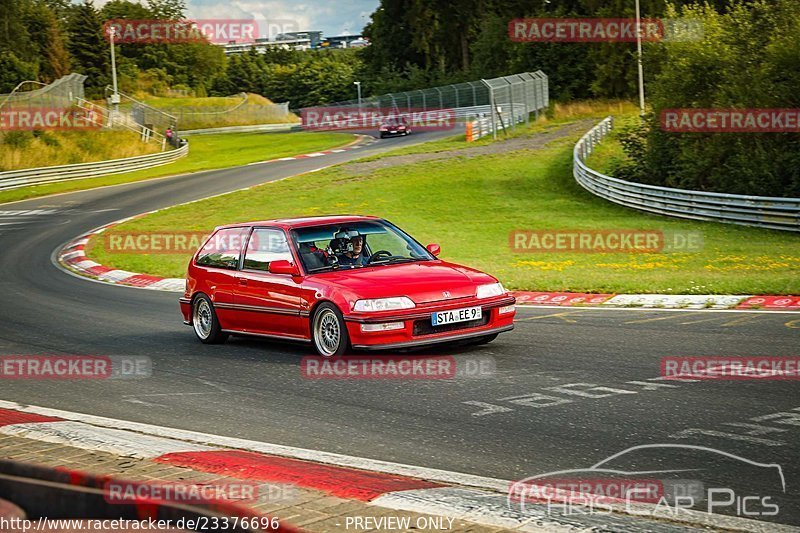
(282, 266)
(435, 249)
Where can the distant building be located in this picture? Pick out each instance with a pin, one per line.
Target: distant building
(345, 41)
(313, 37)
(261, 45)
(297, 40)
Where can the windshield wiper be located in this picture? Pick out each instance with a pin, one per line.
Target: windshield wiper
(396, 260)
(320, 269)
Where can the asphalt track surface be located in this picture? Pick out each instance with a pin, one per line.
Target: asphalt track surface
(540, 411)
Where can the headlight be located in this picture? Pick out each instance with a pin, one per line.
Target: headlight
(384, 304)
(492, 289)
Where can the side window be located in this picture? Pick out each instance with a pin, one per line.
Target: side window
(223, 248)
(265, 246)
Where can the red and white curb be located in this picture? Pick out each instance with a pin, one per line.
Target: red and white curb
(73, 256)
(389, 485)
(658, 301)
(361, 142)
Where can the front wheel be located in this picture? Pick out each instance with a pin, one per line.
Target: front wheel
(205, 323)
(329, 332)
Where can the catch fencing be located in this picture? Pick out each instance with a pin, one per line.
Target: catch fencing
(184, 118)
(760, 211)
(505, 101)
(62, 93)
(242, 114)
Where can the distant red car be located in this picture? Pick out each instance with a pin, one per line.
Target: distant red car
(394, 126)
(339, 282)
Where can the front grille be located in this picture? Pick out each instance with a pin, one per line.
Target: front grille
(424, 326)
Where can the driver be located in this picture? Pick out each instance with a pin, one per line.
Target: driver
(355, 253)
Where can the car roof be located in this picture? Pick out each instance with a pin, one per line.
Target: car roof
(300, 222)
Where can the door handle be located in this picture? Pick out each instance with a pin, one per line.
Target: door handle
(242, 281)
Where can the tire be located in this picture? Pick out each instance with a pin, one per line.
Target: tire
(383, 136)
(329, 332)
(205, 323)
(486, 339)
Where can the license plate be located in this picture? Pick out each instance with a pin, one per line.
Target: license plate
(392, 131)
(456, 315)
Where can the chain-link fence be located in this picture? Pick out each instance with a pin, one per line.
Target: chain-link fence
(513, 99)
(134, 113)
(65, 100)
(244, 113)
(61, 94)
(185, 118)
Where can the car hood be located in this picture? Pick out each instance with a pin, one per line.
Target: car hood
(423, 282)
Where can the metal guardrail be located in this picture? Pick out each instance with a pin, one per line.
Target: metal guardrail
(37, 176)
(761, 211)
(288, 126)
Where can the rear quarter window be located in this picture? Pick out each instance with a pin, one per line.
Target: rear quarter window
(223, 248)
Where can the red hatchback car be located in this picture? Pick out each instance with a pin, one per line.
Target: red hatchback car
(339, 282)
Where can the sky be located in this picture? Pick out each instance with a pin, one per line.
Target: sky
(333, 17)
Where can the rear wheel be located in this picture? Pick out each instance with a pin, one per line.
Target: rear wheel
(328, 331)
(205, 323)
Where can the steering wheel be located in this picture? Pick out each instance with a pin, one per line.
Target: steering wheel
(378, 254)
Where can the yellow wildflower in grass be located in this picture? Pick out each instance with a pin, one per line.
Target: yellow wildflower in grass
(544, 265)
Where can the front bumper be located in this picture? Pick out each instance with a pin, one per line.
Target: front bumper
(417, 330)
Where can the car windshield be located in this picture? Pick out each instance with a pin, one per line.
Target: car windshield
(356, 245)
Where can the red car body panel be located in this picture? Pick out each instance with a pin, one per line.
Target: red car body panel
(280, 305)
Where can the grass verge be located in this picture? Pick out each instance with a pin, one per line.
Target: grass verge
(471, 204)
(206, 152)
(31, 149)
(217, 112)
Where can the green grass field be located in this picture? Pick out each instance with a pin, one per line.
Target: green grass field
(206, 152)
(470, 206)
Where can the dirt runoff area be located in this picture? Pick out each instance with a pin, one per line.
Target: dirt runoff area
(533, 141)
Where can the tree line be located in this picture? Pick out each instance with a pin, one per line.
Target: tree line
(43, 40)
(747, 56)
